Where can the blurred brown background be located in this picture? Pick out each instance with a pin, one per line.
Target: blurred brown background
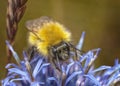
(100, 19)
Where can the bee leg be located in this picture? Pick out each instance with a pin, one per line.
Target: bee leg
(56, 66)
(58, 62)
(31, 52)
(75, 56)
(68, 49)
(54, 62)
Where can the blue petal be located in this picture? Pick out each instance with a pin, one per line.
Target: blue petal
(93, 81)
(37, 67)
(17, 79)
(116, 62)
(13, 52)
(9, 65)
(18, 71)
(43, 65)
(81, 41)
(68, 67)
(71, 76)
(6, 80)
(101, 69)
(36, 83)
(54, 79)
(115, 76)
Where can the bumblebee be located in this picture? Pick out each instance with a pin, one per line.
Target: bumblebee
(50, 38)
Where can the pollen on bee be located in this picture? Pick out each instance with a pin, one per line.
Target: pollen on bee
(49, 34)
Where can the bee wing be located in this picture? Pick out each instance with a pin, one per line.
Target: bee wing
(35, 24)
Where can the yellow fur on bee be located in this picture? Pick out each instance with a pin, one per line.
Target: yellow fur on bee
(48, 35)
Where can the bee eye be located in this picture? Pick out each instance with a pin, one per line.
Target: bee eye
(60, 51)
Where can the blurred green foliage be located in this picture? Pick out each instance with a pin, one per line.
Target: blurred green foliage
(100, 19)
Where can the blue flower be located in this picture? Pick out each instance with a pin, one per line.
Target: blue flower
(39, 72)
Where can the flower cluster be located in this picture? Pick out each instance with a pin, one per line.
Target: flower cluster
(39, 72)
